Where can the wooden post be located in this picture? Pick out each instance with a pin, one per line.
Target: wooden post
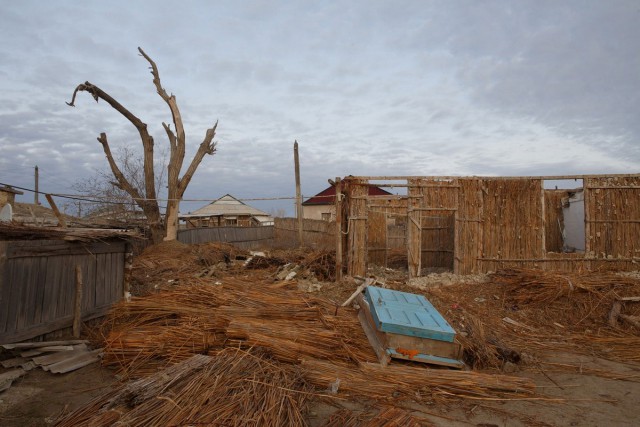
(128, 269)
(57, 213)
(77, 311)
(338, 229)
(543, 221)
(296, 161)
(35, 194)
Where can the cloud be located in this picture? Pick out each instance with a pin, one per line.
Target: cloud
(367, 88)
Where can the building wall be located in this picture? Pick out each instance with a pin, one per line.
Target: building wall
(320, 212)
(6, 198)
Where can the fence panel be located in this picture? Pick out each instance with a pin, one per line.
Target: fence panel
(243, 237)
(38, 284)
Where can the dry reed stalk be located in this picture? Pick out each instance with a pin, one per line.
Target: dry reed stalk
(233, 389)
(373, 381)
(387, 417)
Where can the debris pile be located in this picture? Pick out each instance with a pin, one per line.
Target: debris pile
(57, 357)
(518, 312)
(169, 263)
(235, 388)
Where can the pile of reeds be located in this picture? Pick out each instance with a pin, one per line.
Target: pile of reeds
(235, 388)
(172, 262)
(387, 417)
(322, 264)
(153, 331)
(525, 286)
(260, 262)
(409, 382)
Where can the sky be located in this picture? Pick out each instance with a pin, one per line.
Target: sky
(375, 88)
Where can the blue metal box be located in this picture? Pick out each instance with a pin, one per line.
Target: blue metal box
(407, 314)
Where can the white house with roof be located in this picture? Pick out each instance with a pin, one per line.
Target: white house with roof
(227, 211)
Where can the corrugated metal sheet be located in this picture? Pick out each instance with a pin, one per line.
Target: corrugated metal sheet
(407, 314)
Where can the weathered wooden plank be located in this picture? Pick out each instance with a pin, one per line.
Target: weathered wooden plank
(31, 248)
(41, 284)
(29, 284)
(12, 363)
(375, 337)
(89, 277)
(53, 325)
(5, 285)
(15, 298)
(75, 362)
(28, 345)
(101, 272)
(59, 356)
(7, 378)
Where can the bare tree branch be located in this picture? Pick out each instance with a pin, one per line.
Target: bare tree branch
(117, 173)
(208, 146)
(147, 139)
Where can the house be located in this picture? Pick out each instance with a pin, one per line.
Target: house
(323, 205)
(7, 202)
(226, 211)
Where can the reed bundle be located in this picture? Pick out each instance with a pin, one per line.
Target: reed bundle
(235, 388)
(151, 332)
(380, 383)
(552, 310)
(543, 287)
(387, 417)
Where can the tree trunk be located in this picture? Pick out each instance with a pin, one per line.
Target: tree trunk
(167, 230)
(171, 219)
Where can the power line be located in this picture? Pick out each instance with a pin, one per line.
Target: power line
(95, 199)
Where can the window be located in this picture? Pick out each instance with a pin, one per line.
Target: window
(326, 216)
(231, 221)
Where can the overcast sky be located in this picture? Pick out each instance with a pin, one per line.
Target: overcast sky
(366, 87)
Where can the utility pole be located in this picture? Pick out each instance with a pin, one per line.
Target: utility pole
(296, 161)
(35, 195)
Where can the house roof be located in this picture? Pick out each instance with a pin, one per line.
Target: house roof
(328, 196)
(226, 205)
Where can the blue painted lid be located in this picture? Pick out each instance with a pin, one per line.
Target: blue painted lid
(407, 314)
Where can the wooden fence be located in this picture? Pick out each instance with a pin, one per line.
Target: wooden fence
(317, 234)
(38, 284)
(480, 224)
(243, 237)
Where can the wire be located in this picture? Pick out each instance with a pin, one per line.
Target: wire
(80, 197)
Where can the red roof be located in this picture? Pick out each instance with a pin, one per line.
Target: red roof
(328, 196)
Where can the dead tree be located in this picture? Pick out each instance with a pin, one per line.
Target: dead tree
(167, 229)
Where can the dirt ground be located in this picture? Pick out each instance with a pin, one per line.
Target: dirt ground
(564, 398)
(38, 398)
(583, 400)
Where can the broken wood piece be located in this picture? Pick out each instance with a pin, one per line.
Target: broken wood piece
(616, 308)
(27, 366)
(145, 388)
(55, 348)
(629, 299)
(12, 363)
(77, 311)
(7, 378)
(61, 222)
(376, 339)
(77, 362)
(28, 345)
(50, 359)
(31, 353)
(634, 320)
(358, 291)
(516, 323)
